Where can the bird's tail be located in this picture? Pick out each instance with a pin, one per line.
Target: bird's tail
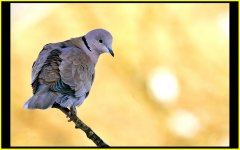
(43, 99)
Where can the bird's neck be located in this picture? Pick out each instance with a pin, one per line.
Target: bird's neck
(78, 42)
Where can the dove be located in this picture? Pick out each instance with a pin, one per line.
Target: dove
(64, 72)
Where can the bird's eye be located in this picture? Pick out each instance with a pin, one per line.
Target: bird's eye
(100, 41)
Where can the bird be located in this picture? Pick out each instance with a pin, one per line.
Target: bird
(64, 72)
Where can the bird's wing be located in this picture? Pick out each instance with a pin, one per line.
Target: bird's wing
(45, 69)
(77, 70)
(38, 64)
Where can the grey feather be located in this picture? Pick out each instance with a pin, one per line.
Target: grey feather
(62, 88)
(76, 70)
(42, 99)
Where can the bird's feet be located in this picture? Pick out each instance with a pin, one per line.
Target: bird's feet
(72, 112)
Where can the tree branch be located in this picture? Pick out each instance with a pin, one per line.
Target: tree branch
(81, 125)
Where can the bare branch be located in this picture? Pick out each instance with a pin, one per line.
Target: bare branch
(81, 125)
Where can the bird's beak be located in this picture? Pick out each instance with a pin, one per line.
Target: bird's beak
(111, 52)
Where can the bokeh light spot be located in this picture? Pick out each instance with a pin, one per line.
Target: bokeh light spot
(224, 24)
(164, 85)
(184, 124)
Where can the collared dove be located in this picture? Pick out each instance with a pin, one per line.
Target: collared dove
(64, 72)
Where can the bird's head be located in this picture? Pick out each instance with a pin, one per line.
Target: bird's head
(98, 41)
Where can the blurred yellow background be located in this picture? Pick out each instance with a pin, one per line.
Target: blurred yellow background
(168, 84)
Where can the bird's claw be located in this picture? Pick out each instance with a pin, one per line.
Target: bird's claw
(72, 112)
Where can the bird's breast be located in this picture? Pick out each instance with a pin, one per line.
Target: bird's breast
(76, 70)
